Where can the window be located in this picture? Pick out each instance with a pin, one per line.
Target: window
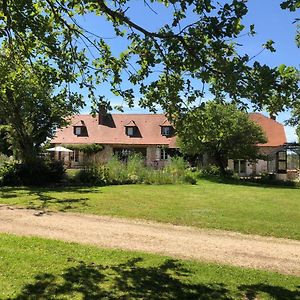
(236, 166)
(130, 131)
(78, 130)
(281, 165)
(76, 155)
(281, 155)
(281, 162)
(242, 166)
(239, 166)
(124, 153)
(164, 154)
(166, 130)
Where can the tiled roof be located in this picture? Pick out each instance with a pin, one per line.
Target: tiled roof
(274, 131)
(149, 126)
(113, 130)
(79, 123)
(166, 122)
(130, 124)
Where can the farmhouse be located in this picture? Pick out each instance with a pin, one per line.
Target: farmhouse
(149, 134)
(153, 136)
(272, 158)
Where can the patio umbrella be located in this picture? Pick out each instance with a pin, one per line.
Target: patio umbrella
(59, 149)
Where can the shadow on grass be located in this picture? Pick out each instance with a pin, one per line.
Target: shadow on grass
(45, 202)
(127, 280)
(130, 280)
(253, 182)
(43, 198)
(8, 195)
(15, 190)
(274, 292)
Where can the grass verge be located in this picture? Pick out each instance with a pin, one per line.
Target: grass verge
(270, 211)
(34, 268)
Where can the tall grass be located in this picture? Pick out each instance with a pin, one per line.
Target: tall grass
(135, 171)
(117, 171)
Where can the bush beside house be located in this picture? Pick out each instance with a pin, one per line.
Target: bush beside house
(135, 171)
(42, 172)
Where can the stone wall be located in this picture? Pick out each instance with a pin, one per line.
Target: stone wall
(153, 157)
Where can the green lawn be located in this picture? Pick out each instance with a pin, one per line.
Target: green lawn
(34, 268)
(249, 209)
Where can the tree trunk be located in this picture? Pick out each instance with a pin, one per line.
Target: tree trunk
(22, 142)
(28, 154)
(220, 163)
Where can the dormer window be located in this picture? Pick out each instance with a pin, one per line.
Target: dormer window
(166, 130)
(131, 129)
(80, 129)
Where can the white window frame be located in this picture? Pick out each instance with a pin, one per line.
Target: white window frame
(164, 154)
(239, 163)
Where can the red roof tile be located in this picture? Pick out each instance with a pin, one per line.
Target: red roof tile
(130, 124)
(274, 131)
(166, 122)
(79, 123)
(113, 130)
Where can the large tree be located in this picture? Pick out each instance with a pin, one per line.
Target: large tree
(30, 105)
(220, 130)
(173, 66)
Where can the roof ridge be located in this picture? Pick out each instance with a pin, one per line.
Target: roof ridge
(122, 114)
(258, 113)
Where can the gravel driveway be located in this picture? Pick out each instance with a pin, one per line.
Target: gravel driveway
(281, 255)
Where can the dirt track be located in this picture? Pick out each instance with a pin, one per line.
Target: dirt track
(280, 255)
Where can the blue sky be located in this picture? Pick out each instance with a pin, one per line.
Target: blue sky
(276, 24)
(270, 23)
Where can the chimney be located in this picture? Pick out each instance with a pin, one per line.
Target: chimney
(273, 116)
(102, 113)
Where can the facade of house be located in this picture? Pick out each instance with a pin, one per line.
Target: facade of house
(272, 160)
(153, 136)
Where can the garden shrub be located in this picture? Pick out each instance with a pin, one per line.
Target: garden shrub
(9, 174)
(235, 177)
(134, 171)
(3, 159)
(158, 177)
(215, 171)
(94, 175)
(117, 171)
(189, 177)
(211, 170)
(135, 164)
(177, 168)
(88, 149)
(270, 179)
(41, 172)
